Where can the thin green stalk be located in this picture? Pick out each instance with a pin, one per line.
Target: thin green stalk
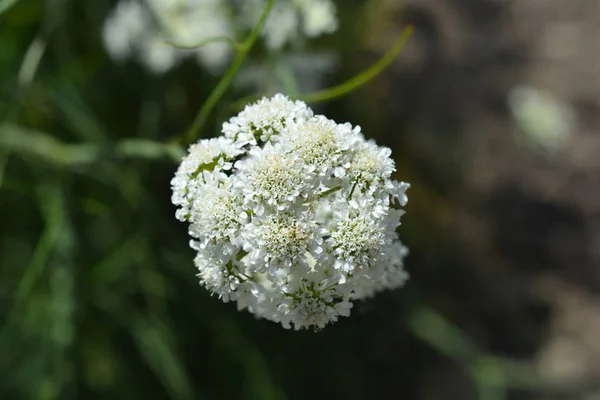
(365, 76)
(328, 192)
(351, 84)
(236, 46)
(227, 79)
(352, 190)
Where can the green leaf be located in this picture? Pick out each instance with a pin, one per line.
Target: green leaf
(158, 348)
(46, 244)
(6, 4)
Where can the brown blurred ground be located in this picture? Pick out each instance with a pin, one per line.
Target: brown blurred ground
(518, 229)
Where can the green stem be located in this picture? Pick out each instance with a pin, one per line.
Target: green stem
(241, 255)
(236, 46)
(247, 277)
(292, 295)
(351, 84)
(329, 191)
(329, 287)
(365, 76)
(226, 81)
(352, 190)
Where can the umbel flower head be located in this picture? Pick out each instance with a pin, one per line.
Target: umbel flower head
(292, 215)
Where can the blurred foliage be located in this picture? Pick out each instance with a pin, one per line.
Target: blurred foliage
(98, 297)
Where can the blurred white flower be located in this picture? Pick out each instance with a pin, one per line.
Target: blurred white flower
(318, 17)
(545, 121)
(141, 28)
(293, 216)
(124, 28)
(290, 20)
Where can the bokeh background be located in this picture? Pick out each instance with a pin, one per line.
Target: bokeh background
(492, 112)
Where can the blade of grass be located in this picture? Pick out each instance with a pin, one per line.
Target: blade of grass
(158, 348)
(31, 62)
(55, 205)
(6, 4)
(82, 121)
(149, 149)
(492, 375)
(434, 330)
(62, 305)
(47, 148)
(117, 263)
(258, 376)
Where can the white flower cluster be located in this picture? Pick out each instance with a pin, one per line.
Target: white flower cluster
(141, 28)
(293, 215)
(291, 20)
